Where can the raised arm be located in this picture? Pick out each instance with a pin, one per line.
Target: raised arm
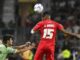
(68, 33)
(61, 28)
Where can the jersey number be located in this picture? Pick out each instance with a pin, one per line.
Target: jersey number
(48, 33)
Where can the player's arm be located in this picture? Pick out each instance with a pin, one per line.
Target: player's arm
(36, 27)
(12, 50)
(77, 35)
(25, 49)
(72, 34)
(68, 33)
(61, 28)
(22, 46)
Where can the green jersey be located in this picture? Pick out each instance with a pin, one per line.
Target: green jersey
(4, 51)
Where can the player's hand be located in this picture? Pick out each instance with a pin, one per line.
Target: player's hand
(27, 43)
(78, 36)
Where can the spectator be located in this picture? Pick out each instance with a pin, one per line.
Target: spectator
(66, 52)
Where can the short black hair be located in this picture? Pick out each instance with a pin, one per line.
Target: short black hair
(45, 13)
(6, 38)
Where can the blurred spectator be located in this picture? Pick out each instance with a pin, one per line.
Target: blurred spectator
(8, 31)
(74, 54)
(75, 27)
(65, 53)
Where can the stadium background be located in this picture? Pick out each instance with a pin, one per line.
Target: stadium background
(17, 18)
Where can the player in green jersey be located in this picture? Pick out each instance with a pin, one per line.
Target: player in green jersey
(6, 47)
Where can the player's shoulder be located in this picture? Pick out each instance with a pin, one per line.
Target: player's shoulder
(40, 22)
(56, 22)
(2, 45)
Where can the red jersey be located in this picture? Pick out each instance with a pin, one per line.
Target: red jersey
(48, 29)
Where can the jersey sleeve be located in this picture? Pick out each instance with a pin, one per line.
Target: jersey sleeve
(37, 26)
(11, 50)
(2, 49)
(60, 26)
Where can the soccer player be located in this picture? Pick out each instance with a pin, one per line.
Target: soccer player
(47, 29)
(6, 47)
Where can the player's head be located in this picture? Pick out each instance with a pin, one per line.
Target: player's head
(8, 39)
(46, 15)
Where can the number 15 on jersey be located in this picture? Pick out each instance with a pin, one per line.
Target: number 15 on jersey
(48, 33)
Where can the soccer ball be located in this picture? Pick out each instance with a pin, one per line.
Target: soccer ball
(38, 8)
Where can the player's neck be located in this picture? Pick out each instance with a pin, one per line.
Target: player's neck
(47, 19)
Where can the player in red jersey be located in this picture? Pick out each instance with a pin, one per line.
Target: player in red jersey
(47, 28)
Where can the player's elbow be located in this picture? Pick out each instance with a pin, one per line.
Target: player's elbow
(32, 31)
(63, 30)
